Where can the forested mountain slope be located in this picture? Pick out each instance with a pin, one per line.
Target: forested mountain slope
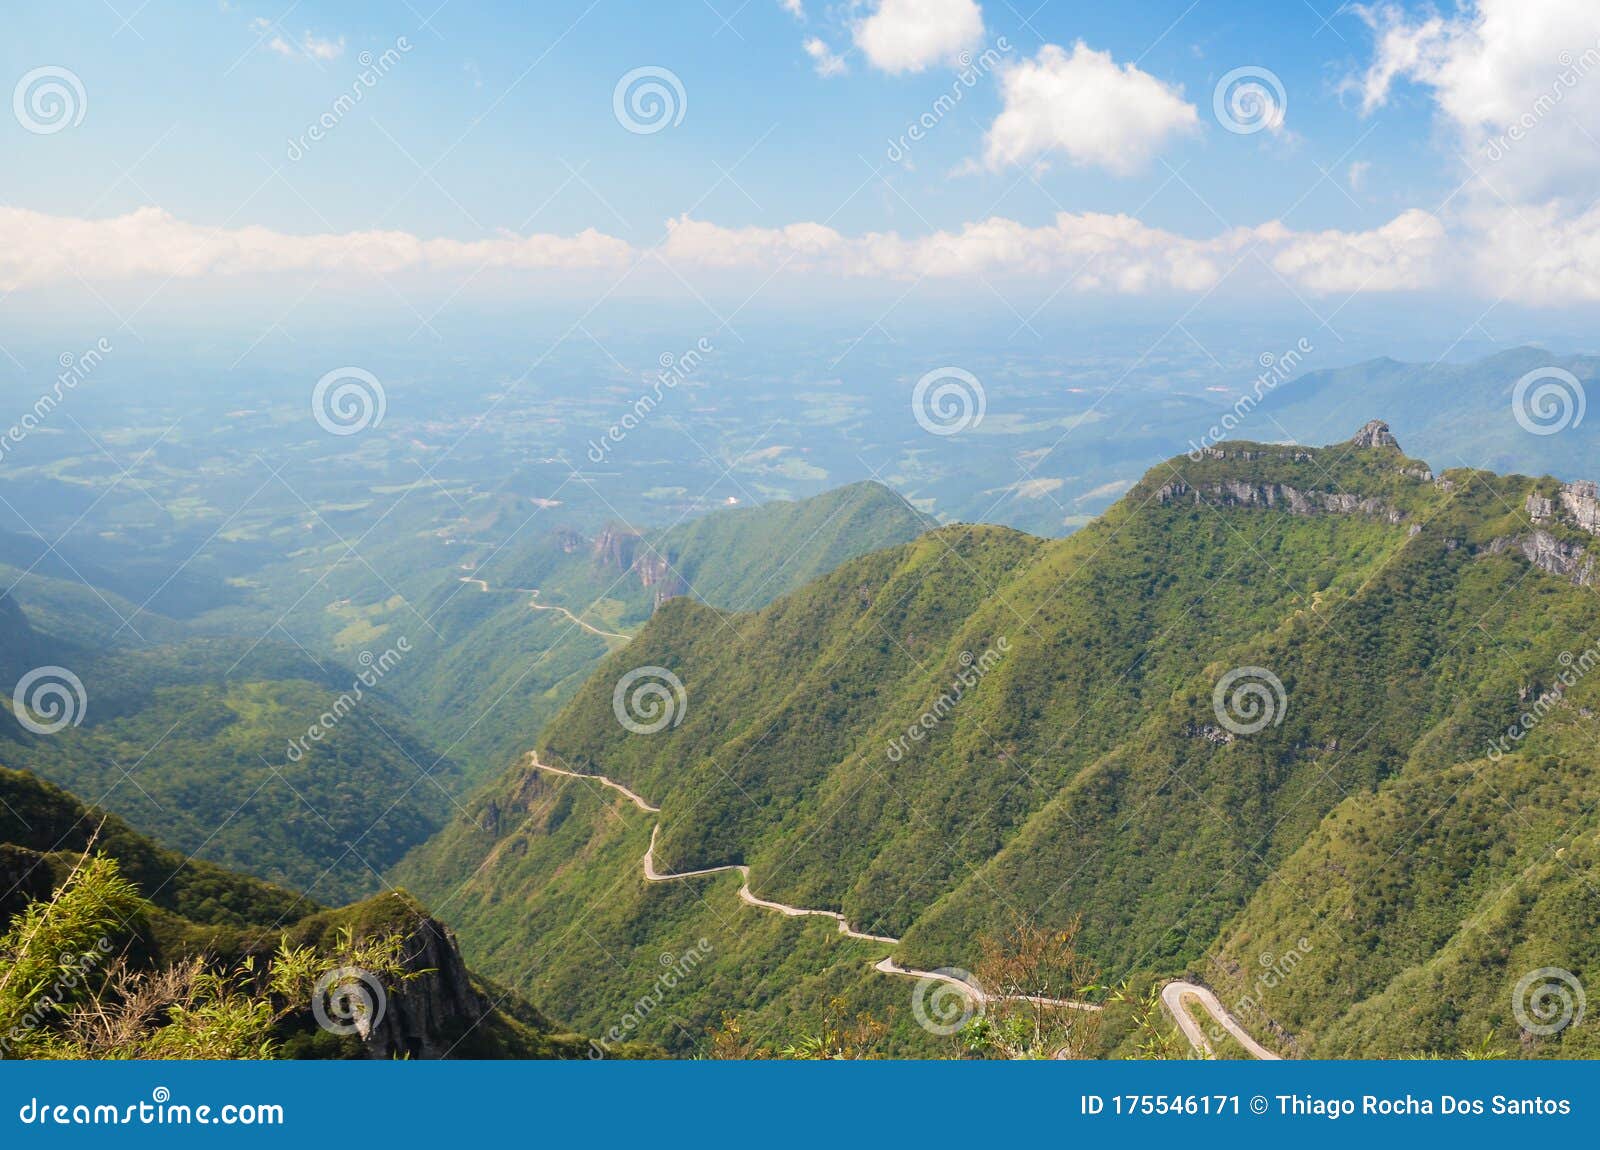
(521, 629)
(980, 726)
(431, 1007)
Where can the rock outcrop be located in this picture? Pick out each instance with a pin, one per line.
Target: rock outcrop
(1375, 434)
(1238, 493)
(656, 572)
(1548, 553)
(614, 549)
(425, 1016)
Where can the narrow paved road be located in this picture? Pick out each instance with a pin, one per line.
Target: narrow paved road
(1176, 993)
(1173, 994)
(538, 606)
(746, 895)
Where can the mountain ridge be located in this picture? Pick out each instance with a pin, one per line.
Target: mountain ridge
(787, 705)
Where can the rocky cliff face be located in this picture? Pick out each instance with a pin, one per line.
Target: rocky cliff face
(1576, 504)
(622, 551)
(425, 1016)
(1375, 434)
(614, 549)
(656, 572)
(1239, 493)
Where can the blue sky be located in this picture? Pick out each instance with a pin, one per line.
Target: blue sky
(508, 92)
(1087, 159)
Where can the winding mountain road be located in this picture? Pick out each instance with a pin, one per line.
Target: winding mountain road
(533, 602)
(1173, 994)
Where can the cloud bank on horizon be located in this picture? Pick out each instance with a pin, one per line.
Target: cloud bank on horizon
(1512, 91)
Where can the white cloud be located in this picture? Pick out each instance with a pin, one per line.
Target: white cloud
(1086, 252)
(1358, 173)
(148, 242)
(1084, 105)
(320, 49)
(1513, 80)
(1404, 254)
(309, 46)
(1533, 255)
(909, 35)
(1538, 255)
(823, 58)
(795, 8)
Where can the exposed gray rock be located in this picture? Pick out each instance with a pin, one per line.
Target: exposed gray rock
(1238, 493)
(1375, 434)
(426, 1015)
(1581, 501)
(1548, 553)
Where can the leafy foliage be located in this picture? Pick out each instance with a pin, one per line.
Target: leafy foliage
(1084, 776)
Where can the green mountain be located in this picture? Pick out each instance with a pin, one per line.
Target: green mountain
(1240, 724)
(519, 627)
(1455, 414)
(320, 777)
(196, 909)
(256, 759)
